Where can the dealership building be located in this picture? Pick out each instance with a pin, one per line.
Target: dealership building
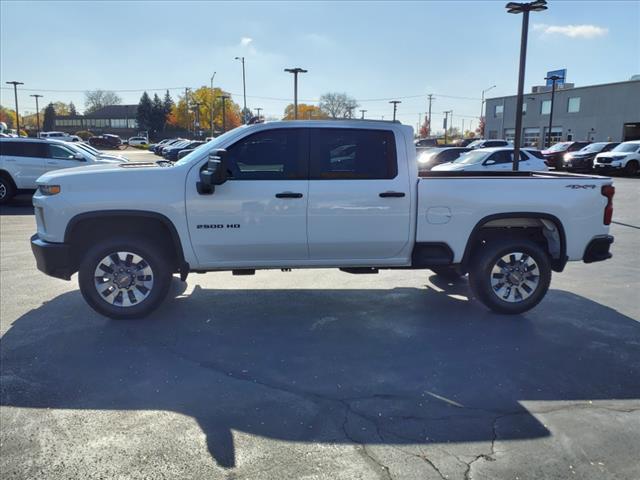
(116, 119)
(606, 112)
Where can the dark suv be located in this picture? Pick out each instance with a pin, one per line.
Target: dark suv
(582, 160)
(554, 155)
(105, 141)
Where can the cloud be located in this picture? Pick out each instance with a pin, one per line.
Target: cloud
(245, 41)
(572, 31)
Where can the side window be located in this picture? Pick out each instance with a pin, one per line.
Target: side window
(60, 152)
(277, 154)
(501, 157)
(352, 154)
(23, 149)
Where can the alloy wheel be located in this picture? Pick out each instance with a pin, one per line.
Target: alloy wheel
(123, 279)
(515, 277)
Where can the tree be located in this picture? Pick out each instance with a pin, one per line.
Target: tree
(425, 129)
(49, 121)
(61, 108)
(158, 115)
(202, 97)
(144, 112)
(96, 99)
(480, 129)
(72, 109)
(168, 103)
(305, 112)
(337, 105)
(8, 116)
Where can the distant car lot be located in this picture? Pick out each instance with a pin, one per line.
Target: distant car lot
(319, 373)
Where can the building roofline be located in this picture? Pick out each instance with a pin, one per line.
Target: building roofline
(558, 90)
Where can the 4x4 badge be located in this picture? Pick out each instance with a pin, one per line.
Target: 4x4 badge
(580, 186)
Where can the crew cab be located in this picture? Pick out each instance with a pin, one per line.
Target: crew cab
(313, 194)
(23, 160)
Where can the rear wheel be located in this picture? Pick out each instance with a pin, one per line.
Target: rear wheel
(631, 168)
(7, 190)
(124, 278)
(510, 276)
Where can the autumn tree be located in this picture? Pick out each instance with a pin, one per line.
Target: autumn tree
(49, 121)
(480, 129)
(305, 112)
(61, 108)
(338, 105)
(425, 129)
(96, 99)
(203, 99)
(8, 116)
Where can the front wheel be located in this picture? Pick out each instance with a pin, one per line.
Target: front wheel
(510, 276)
(631, 168)
(124, 278)
(7, 191)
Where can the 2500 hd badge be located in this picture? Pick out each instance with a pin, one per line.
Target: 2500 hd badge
(218, 225)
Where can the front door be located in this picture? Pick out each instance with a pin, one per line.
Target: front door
(258, 216)
(359, 195)
(25, 161)
(59, 156)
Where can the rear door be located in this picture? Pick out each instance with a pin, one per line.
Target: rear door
(24, 160)
(259, 215)
(359, 195)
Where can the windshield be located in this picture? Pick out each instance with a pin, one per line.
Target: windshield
(78, 149)
(475, 143)
(87, 148)
(426, 156)
(594, 147)
(559, 147)
(471, 158)
(626, 147)
(197, 153)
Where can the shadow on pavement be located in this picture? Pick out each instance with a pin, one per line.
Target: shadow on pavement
(19, 205)
(400, 366)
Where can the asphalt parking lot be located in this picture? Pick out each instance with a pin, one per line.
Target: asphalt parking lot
(322, 374)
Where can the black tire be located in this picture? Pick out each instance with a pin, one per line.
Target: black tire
(447, 272)
(482, 274)
(631, 168)
(154, 258)
(7, 190)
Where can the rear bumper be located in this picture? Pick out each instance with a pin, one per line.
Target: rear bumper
(54, 259)
(598, 249)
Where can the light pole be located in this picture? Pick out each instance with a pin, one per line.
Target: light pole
(446, 118)
(15, 93)
(362, 112)
(295, 72)
(430, 100)
(213, 99)
(482, 102)
(244, 91)
(259, 109)
(524, 8)
(395, 107)
(37, 113)
(224, 112)
(554, 79)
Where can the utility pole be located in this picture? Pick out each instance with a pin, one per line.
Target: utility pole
(362, 112)
(15, 93)
(186, 101)
(37, 113)
(482, 102)
(295, 72)
(395, 107)
(446, 119)
(462, 131)
(212, 104)
(430, 99)
(554, 79)
(259, 110)
(244, 91)
(224, 112)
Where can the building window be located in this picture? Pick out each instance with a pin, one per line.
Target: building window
(118, 123)
(556, 136)
(132, 123)
(574, 105)
(545, 107)
(498, 111)
(509, 134)
(531, 137)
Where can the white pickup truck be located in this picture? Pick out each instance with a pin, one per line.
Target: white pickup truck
(313, 194)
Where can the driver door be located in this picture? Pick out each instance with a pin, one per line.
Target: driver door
(59, 156)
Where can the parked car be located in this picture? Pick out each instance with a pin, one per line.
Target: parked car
(554, 155)
(494, 159)
(171, 153)
(153, 146)
(135, 141)
(625, 157)
(483, 143)
(160, 146)
(23, 160)
(582, 160)
(345, 195)
(65, 137)
(99, 153)
(180, 143)
(105, 141)
(426, 142)
(435, 156)
(465, 142)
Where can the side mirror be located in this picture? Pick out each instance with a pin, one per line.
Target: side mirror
(215, 173)
(78, 156)
(488, 162)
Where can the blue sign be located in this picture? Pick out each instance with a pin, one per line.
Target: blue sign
(560, 73)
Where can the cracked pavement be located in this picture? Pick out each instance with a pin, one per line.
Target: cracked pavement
(320, 374)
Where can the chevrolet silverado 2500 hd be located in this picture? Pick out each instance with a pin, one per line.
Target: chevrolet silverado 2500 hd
(313, 194)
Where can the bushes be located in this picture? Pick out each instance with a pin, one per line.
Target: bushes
(84, 134)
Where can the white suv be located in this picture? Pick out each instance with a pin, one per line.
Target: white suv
(65, 137)
(138, 141)
(495, 159)
(23, 160)
(625, 157)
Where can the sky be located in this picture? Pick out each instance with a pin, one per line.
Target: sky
(373, 51)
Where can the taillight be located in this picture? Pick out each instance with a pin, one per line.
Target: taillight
(608, 191)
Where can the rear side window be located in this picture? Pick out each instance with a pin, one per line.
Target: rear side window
(23, 149)
(278, 154)
(352, 154)
(536, 153)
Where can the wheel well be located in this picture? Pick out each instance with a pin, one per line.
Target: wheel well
(88, 229)
(7, 176)
(545, 230)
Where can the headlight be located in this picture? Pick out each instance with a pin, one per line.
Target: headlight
(567, 156)
(49, 189)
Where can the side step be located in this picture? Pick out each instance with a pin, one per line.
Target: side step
(245, 271)
(360, 270)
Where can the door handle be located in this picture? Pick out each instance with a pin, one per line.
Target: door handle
(288, 195)
(392, 194)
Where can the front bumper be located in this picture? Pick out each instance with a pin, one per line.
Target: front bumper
(607, 167)
(598, 249)
(54, 259)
